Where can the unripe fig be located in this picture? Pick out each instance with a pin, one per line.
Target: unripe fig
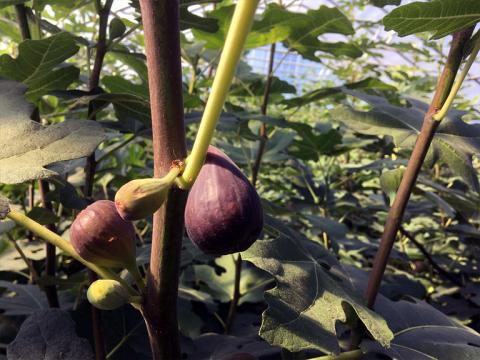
(140, 198)
(224, 213)
(101, 236)
(107, 294)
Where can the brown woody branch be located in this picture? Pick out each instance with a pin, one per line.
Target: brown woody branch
(161, 26)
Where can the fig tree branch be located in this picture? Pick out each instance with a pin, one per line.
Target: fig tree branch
(453, 279)
(50, 259)
(91, 165)
(161, 26)
(93, 82)
(395, 215)
(263, 110)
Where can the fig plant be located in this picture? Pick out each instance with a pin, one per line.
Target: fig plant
(287, 267)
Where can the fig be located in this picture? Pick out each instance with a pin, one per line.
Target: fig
(107, 294)
(140, 198)
(101, 236)
(223, 214)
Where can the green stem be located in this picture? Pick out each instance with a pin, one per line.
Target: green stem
(458, 84)
(237, 34)
(137, 277)
(65, 246)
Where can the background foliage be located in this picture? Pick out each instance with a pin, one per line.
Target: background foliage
(331, 165)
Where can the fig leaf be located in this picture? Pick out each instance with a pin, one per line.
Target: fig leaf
(312, 294)
(29, 147)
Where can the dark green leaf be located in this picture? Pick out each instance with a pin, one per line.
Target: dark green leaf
(116, 28)
(382, 3)
(29, 147)
(365, 84)
(47, 333)
(311, 295)
(43, 216)
(442, 17)
(454, 143)
(39, 64)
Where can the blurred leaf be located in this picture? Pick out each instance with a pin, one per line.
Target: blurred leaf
(382, 3)
(30, 147)
(188, 20)
(4, 207)
(365, 84)
(390, 182)
(43, 216)
(45, 335)
(5, 3)
(454, 143)
(11, 259)
(442, 17)
(39, 64)
(116, 28)
(221, 285)
(222, 347)
(421, 331)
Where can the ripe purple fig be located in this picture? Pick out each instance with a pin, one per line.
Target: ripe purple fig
(101, 236)
(224, 214)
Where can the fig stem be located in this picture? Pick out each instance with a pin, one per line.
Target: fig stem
(458, 84)
(64, 245)
(237, 34)
(137, 277)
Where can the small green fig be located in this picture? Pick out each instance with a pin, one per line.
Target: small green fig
(140, 198)
(107, 294)
(101, 236)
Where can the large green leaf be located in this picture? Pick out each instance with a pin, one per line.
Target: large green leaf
(365, 84)
(39, 64)
(298, 31)
(32, 151)
(421, 331)
(189, 20)
(382, 3)
(304, 29)
(442, 17)
(260, 35)
(5, 3)
(454, 143)
(220, 284)
(312, 293)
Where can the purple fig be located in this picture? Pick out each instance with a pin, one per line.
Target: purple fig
(224, 213)
(101, 236)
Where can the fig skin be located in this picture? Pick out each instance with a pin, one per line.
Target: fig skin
(107, 294)
(101, 236)
(140, 198)
(224, 214)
